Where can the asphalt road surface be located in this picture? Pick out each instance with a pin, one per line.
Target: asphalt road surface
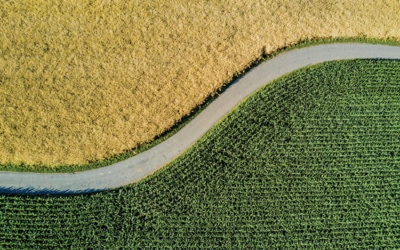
(146, 163)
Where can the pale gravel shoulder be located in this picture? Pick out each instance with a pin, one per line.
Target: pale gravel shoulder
(144, 164)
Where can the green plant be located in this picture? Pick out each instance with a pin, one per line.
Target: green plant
(310, 161)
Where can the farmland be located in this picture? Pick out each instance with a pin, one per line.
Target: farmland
(311, 160)
(81, 81)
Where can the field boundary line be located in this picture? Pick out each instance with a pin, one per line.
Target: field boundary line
(146, 163)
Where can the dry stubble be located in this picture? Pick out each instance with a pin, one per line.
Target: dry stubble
(85, 80)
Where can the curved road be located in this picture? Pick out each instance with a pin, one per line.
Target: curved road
(144, 164)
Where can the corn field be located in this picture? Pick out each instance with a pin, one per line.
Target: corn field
(310, 161)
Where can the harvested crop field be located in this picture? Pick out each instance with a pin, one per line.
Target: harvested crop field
(86, 80)
(319, 169)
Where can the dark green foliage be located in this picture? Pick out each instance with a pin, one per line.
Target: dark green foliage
(311, 161)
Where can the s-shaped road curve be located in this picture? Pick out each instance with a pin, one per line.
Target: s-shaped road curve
(144, 164)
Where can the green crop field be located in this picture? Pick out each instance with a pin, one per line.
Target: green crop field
(312, 160)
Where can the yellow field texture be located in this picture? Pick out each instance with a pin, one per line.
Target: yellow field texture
(88, 79)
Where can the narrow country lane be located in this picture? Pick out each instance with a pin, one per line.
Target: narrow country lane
(144, 164)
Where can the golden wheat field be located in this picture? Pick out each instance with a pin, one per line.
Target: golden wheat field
(85, 80)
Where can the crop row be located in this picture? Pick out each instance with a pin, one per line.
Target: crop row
(293, 166)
